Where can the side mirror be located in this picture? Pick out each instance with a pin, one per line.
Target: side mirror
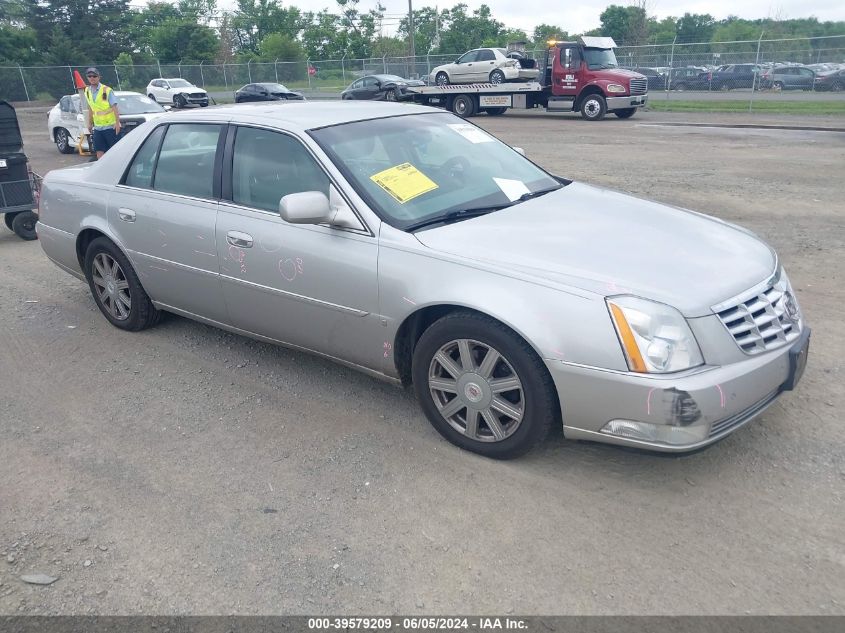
(519, 151)
(306, 207)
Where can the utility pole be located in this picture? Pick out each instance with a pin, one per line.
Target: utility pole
(411, 35)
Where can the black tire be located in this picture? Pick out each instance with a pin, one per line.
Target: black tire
(538, 398)
(593, 107)
(441, 79)
(393, 95)
(23, 224)
(463, 106)
(497, 77)
(778, 85)
(627, 113)
(142, 312)
(179, 101)
(681, 87)
(204, 104)
(152, 97)
(496, 111)
(8, 219)
(62, 139)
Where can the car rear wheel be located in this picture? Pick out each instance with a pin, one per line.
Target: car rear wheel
(463, 106)
(116, 288)
(441, 79)
(482, 386)
(62, 138)
(23, 224)
(627, 113)
(497, 77)
(594, 107)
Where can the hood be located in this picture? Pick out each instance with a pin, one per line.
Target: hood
(190, 90)
(610, 243)
(619, 73)
(144, 116)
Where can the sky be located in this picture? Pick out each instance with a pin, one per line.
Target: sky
(583, 15)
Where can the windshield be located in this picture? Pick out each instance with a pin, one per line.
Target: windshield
(415, 168)
(598, 58)
(179, 83)
(137, 104)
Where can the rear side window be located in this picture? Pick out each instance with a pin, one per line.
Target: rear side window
(268, 165)
(485, 56)
(140, 173)
(186, 160)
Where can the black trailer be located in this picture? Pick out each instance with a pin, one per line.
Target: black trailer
(18, 185)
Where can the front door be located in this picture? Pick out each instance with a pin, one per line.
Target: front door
(311, 286)
(464, 69)
(567, 72)
(164, 215)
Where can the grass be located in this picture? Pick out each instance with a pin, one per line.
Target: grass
(770, 107)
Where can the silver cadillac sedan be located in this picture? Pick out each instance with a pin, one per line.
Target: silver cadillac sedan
(412, 245)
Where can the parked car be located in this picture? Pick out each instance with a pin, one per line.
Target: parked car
(483, 65)
(266, 92)
(788, 78)
(66, 123)
(177, 92)
(689, 78)
(733, 76)
(656, 78)
(408, 243)
(380, 88)
(833, 81)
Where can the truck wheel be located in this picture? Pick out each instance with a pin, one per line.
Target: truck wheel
(442, 79)
(497, 77)
(463, 106)
(8, 219)
(23, 225)
(627, 113)
(496, 111)
(593, 107)
(62, 138)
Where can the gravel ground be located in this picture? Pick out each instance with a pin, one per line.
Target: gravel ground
(185, 470)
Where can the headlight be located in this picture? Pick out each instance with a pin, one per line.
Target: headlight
(616, 88)
(655, 337)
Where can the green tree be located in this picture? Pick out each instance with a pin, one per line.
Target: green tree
(466, 32)
(544, 32)
(627, 25)
(696, 27)
(183, 41)
(281, 46)
(253, 20)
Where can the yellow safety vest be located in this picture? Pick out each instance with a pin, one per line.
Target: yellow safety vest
(101, 108)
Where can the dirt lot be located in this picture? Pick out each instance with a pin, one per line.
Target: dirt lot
(186, 470)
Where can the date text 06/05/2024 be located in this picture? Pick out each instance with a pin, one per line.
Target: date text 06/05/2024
(416, 623)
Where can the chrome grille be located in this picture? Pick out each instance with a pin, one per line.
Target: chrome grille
(639, 86)
(765, 318)
(743, 416)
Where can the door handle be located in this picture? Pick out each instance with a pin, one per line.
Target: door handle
(241, 240)
(127, 215)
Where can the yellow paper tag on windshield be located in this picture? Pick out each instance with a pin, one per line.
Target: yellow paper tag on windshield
(404, 182)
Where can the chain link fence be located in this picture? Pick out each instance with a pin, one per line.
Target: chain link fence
(750, 65)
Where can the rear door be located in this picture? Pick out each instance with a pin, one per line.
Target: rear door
(370, 89)
(164, 214)
(806, 78)
(485, 63)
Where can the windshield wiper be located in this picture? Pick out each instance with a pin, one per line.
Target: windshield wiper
(455, 216)
(537, 194)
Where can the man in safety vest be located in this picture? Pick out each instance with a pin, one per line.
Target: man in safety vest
(103, 116)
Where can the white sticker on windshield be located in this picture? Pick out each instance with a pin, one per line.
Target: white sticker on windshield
(513, 189)
(471, 133)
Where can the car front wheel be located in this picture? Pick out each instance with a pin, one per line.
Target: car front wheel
(63, 141)
(482, 386)
(116, 288)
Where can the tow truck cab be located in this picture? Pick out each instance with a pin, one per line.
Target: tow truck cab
(585, 76)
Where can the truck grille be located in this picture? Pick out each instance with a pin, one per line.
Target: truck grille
(764, 320)
(639, 86)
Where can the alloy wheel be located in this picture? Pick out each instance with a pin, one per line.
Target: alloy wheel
(476, 390)
(112, 286)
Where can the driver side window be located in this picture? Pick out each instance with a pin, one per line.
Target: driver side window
(358, 84)
(468, 57)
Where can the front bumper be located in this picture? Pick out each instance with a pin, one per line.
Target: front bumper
(196, 100)
(623, 103)
(709, 402)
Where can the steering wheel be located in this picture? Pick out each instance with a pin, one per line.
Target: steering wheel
(457, 167)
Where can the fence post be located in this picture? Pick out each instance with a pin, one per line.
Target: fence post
(384, 63)
(180, 68)
(72, 79)
(117, 74)
(276, 69)
(23, 81)
(343, 68)
(671, 66)
(754, 79)
(159, 69)
(308, 72)
(249, 69)
(202, 76)
(225, 81)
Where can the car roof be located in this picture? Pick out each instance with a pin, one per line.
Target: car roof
(117, 93)
(301, 116)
